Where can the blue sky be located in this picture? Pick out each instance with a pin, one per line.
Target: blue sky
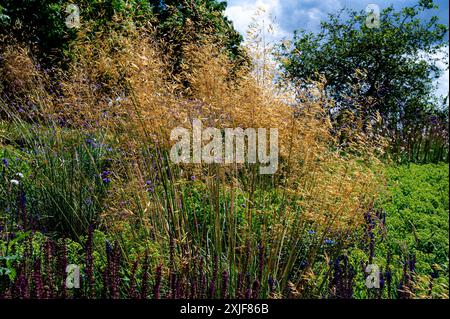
(295, 14)
(292, 15)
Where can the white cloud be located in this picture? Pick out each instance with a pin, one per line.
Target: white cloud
(443, 81)
(441, 58)
(289, 14)
(241, 14)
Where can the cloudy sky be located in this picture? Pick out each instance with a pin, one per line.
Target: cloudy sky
(292, 15)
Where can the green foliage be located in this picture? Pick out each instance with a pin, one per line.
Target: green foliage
(418, 212)
(42, 23)
(8, 256)
(414, 232)
(416, 225)
(187, 20)
(38, 23)
(181, 23)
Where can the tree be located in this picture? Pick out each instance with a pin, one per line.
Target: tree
(181, 22)
(41, 23)
(387, 69)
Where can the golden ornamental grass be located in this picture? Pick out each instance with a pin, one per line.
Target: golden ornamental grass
(121, 83)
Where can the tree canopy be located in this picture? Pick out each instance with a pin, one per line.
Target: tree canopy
(41, 23)
(388, 69)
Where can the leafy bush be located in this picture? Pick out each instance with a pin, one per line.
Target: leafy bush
(418, 212)
(42, 23)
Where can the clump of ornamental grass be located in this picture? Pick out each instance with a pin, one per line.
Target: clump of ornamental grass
(252, 231)
(24, 85)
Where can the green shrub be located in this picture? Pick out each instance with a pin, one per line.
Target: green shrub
(418, 210)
